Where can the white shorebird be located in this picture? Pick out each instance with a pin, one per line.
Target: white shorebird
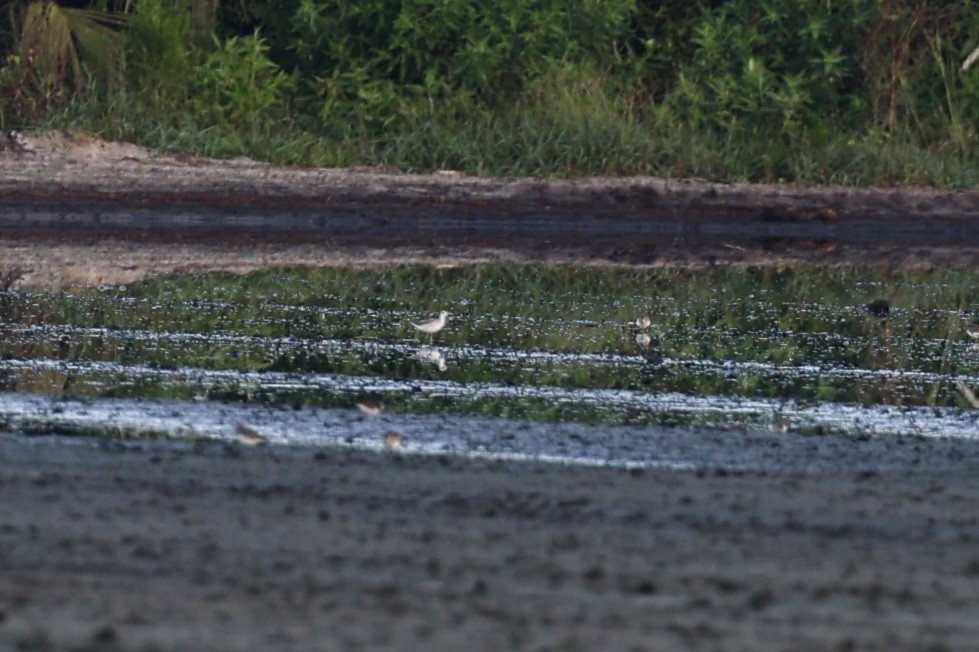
(643, 340)
(433, 326)
(972, 331)
(370, 408)
(643, 322)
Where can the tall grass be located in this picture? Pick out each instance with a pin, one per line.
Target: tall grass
(561, 126)
(869, 96)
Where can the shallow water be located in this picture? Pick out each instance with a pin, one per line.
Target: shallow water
(733, 350)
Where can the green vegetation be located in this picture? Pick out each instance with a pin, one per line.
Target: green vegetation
(753, 333)
(853, 91)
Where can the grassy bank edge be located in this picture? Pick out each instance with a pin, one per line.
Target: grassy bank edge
(558, 129)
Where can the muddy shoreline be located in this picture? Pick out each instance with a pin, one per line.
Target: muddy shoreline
(78, 211)
(175, 546)
(218, 547)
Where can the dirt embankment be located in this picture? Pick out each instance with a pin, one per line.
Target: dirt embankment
(76, 210)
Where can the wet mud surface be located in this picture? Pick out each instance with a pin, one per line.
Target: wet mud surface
(221, 547)
(66, 201)
(155, 545)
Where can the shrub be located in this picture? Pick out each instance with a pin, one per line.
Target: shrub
(775, 64)
(370, 59)
(237, 84)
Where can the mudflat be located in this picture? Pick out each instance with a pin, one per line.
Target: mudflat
(75, 210)
(174, 546)
(159, 546)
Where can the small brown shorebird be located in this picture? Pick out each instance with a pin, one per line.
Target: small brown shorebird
(249, 436)
(393, 440)
(432, 326)
(370, 408)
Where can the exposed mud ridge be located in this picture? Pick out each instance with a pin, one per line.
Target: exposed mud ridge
(78, 210)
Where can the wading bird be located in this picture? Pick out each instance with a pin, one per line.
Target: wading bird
(433, 326)
(249, 436)
(370, 408)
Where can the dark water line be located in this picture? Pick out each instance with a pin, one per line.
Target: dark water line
(439, 223)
